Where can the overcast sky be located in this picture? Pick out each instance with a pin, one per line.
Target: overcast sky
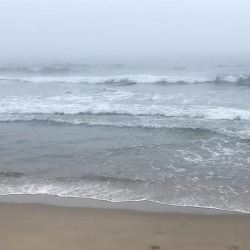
(67, 30)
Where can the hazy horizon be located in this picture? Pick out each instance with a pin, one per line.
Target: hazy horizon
(118, 30)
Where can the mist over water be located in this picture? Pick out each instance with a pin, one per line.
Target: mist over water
(97, 31)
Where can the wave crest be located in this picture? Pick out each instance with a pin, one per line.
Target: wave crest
(11, 174)
(132, 79)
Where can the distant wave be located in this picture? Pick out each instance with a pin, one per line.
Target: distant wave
(133, 79)
(77, 107)
(60, 68)
(11, 174)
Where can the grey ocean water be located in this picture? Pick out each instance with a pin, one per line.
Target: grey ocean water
(176, 134)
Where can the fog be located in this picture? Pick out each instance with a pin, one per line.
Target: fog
(32, 30)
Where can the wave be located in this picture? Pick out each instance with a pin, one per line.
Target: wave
(83, 177)
(11, 174)
(104, 178)
(19, 108)
(60, 68)
(165, 193)
(63, 68)
(133, 79)
(241, 133)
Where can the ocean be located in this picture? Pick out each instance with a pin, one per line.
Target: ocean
(176, 134)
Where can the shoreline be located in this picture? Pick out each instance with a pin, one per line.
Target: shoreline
(140, 206)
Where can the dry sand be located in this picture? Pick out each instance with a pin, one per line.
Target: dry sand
(38, 226)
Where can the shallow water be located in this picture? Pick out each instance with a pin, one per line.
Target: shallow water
(173, 135)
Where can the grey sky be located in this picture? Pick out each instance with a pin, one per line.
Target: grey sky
(68, 30)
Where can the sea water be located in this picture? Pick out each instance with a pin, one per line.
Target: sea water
(176, 134)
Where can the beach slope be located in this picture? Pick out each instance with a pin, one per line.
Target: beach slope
(39, 226)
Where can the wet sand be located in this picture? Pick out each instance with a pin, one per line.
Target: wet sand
(43, 226)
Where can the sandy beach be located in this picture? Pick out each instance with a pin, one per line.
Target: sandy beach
(43, 226)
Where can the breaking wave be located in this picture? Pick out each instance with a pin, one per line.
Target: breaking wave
(119, 190)
(36, 107)
(198, 127)
(60, 68)
(11, 174)
(132, 79)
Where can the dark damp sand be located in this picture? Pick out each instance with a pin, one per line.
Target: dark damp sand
(40, 226)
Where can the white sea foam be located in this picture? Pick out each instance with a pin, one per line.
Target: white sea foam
(127, 78)
(241, 132)
(89, 105)
(105, 191)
